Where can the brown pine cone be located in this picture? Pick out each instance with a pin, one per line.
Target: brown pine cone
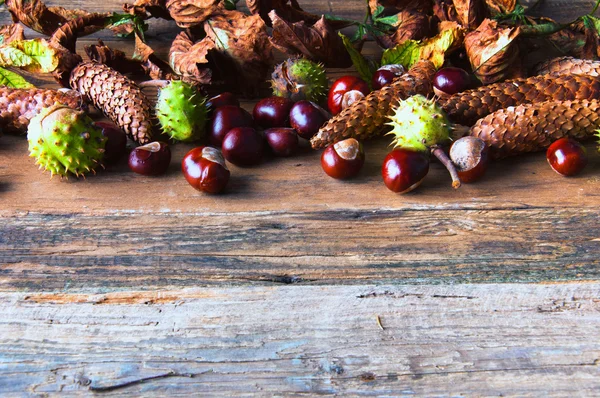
(19, 106)
(120, 99)
(533, 127)
(366, 118)
(569, 66)
(468, 106)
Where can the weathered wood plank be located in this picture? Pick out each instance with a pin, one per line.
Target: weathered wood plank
(287, 222)
(467, 340)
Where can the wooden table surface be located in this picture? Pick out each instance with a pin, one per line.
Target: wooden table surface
(294, 283)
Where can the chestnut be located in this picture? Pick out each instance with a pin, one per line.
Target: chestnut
(344, 159)
(116, 142)
(272, 112)
(385, 75)
(150, 159)
(243, 146)
(224, 119)
(225, 98)
(306, 118)
(567, 157)
(283, 141)
(403, 170)
(471, 157)
(450, 80)
(204, 169)
(340, 87)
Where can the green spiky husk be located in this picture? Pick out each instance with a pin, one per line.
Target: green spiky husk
(300, 79)
(418, 124)
(181, 111)
(64, 140)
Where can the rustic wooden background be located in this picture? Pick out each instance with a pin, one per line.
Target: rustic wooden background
(294, 283)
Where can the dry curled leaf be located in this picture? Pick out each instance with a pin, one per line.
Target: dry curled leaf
(190, 60)
(35, 15)
(10, 33)
(190, 13)
(411, 25)
(148, 8)
(64, 42)
(244, 41)
(493, 51)
(288, 10)
(116, 59)
(470, 13)
(501, 6)
(319, 43)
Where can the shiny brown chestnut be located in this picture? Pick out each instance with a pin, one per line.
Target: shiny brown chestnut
(204, 169)
(283, 141)
(344, 159)
(470, 156)
(150, 159)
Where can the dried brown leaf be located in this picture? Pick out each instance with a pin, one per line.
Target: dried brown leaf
(244, 40)
(501, 6)
(470, 13)
(493, 51)
(11, 32)
(288, 10)
(35, 15)
(116, 59)
(190, 13)
(444, 10)
(148, 8)
(64, 40)
(319, 43)
(411, 25)
(190, 60)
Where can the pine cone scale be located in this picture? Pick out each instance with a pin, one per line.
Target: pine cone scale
(116, 96)
(533, 127)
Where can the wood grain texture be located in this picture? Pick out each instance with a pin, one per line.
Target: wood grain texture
(468, 340)
(286, 221)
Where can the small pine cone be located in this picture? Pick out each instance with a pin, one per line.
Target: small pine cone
(120, 99)
(366, 118)
(533, 127)
(19, 106)
(568, 66)
(468, 106)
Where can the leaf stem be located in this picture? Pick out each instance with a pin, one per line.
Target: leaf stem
(439, 153)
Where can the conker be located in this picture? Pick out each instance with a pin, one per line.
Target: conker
(283, 141)
(224, 119)
(306, 118)
(567, 156)
(385, 75)
(222, 99)
(150, 159)
(403, 170)
(470, 156)
(204, 169)
(272, 112)
(116, 143)
(243, 146)
(344, 159)
(340, 87)
(451, 80)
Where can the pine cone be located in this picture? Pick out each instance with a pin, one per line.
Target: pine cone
(19, 106)
(120, 99)
(366, 118)
(533, 127)
(569, 66)
(466, 107)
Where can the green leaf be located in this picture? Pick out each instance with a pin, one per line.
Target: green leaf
(34, 55)
(365, 67)
(13, 80)
(411, 51)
